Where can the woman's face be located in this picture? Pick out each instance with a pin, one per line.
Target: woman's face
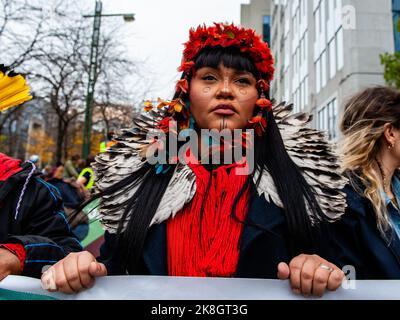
(222, 98)
(394, 151)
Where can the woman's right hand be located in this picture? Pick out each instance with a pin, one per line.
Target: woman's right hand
(74, 273)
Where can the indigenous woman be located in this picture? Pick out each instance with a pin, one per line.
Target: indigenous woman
(184, 217)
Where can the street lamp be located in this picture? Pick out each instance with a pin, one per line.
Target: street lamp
(128, 17)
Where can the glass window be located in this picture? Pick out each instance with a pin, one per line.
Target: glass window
(301, 8)
(332, 119)
(306, 91)
(323, 69)
(327, 118)
(306, 47)
(396, 5)
(318, 75)
(267, 28)
(317, 23)
(323, 119)
(339, 48)
(332, 58)
(336, 113)
(396, 17)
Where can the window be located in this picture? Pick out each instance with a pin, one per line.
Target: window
(318, 75)
(328, 47)
(317, 18)
(323, 119)
(339, 48)
(396, 18)
(323, 69)
(267, 28)
(332, 118)
(332, 58)
(327, 119)
(321, 72)
(304, 93)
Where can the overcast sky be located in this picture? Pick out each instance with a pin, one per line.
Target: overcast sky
(161, 27)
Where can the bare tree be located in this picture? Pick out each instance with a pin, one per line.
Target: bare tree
(58, 67)
(23, 28)
(56, 58)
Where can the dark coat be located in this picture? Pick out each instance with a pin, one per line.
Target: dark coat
(40, 226)
(261, 250)
(358, 242)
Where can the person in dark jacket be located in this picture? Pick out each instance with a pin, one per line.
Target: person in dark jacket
(220, 219)
(33, 229)
(367, 236)
(72, 194)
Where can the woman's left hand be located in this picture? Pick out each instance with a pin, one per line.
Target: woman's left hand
(311, 275)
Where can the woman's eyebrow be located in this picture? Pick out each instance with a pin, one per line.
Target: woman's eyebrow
(243, 73)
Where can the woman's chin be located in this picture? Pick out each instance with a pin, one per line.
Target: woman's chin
(224, 125)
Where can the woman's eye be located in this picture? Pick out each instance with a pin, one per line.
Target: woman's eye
(243, 81)
(208, 78)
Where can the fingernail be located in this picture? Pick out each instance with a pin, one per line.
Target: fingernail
(48, 281)
(296, 291)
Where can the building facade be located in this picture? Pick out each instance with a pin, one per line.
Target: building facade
(327, 50)
(257, 15)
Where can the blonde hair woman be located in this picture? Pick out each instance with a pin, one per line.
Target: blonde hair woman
(371, 158)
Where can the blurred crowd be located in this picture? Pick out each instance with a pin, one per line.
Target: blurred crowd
(74, 180)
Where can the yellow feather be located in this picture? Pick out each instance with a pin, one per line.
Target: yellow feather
(13, 91)
(15, 100)
(7, 81)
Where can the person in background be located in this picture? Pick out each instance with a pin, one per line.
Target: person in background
(368, 235)
(34, 159)
(110, 139)
(72, 195)
(34, 232)
(86, 175)
(107, 143)
(70, 167)
(47, 172)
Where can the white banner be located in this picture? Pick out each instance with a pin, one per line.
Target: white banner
(183, 288)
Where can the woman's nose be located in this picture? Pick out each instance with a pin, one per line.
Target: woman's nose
(225, 90)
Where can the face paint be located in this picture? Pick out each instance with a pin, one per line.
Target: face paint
(226, 85)
(211, 87)
(222, 125)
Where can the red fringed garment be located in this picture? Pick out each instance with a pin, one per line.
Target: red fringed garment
(206, 244)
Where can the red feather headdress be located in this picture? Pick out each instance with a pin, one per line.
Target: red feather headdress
(229, 35)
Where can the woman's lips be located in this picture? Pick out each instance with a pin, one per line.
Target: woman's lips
(225, 110)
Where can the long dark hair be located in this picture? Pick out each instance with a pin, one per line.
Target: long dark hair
(270, 154)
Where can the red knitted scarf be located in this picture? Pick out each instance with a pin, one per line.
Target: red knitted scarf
(207, 244)
(8, 167)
